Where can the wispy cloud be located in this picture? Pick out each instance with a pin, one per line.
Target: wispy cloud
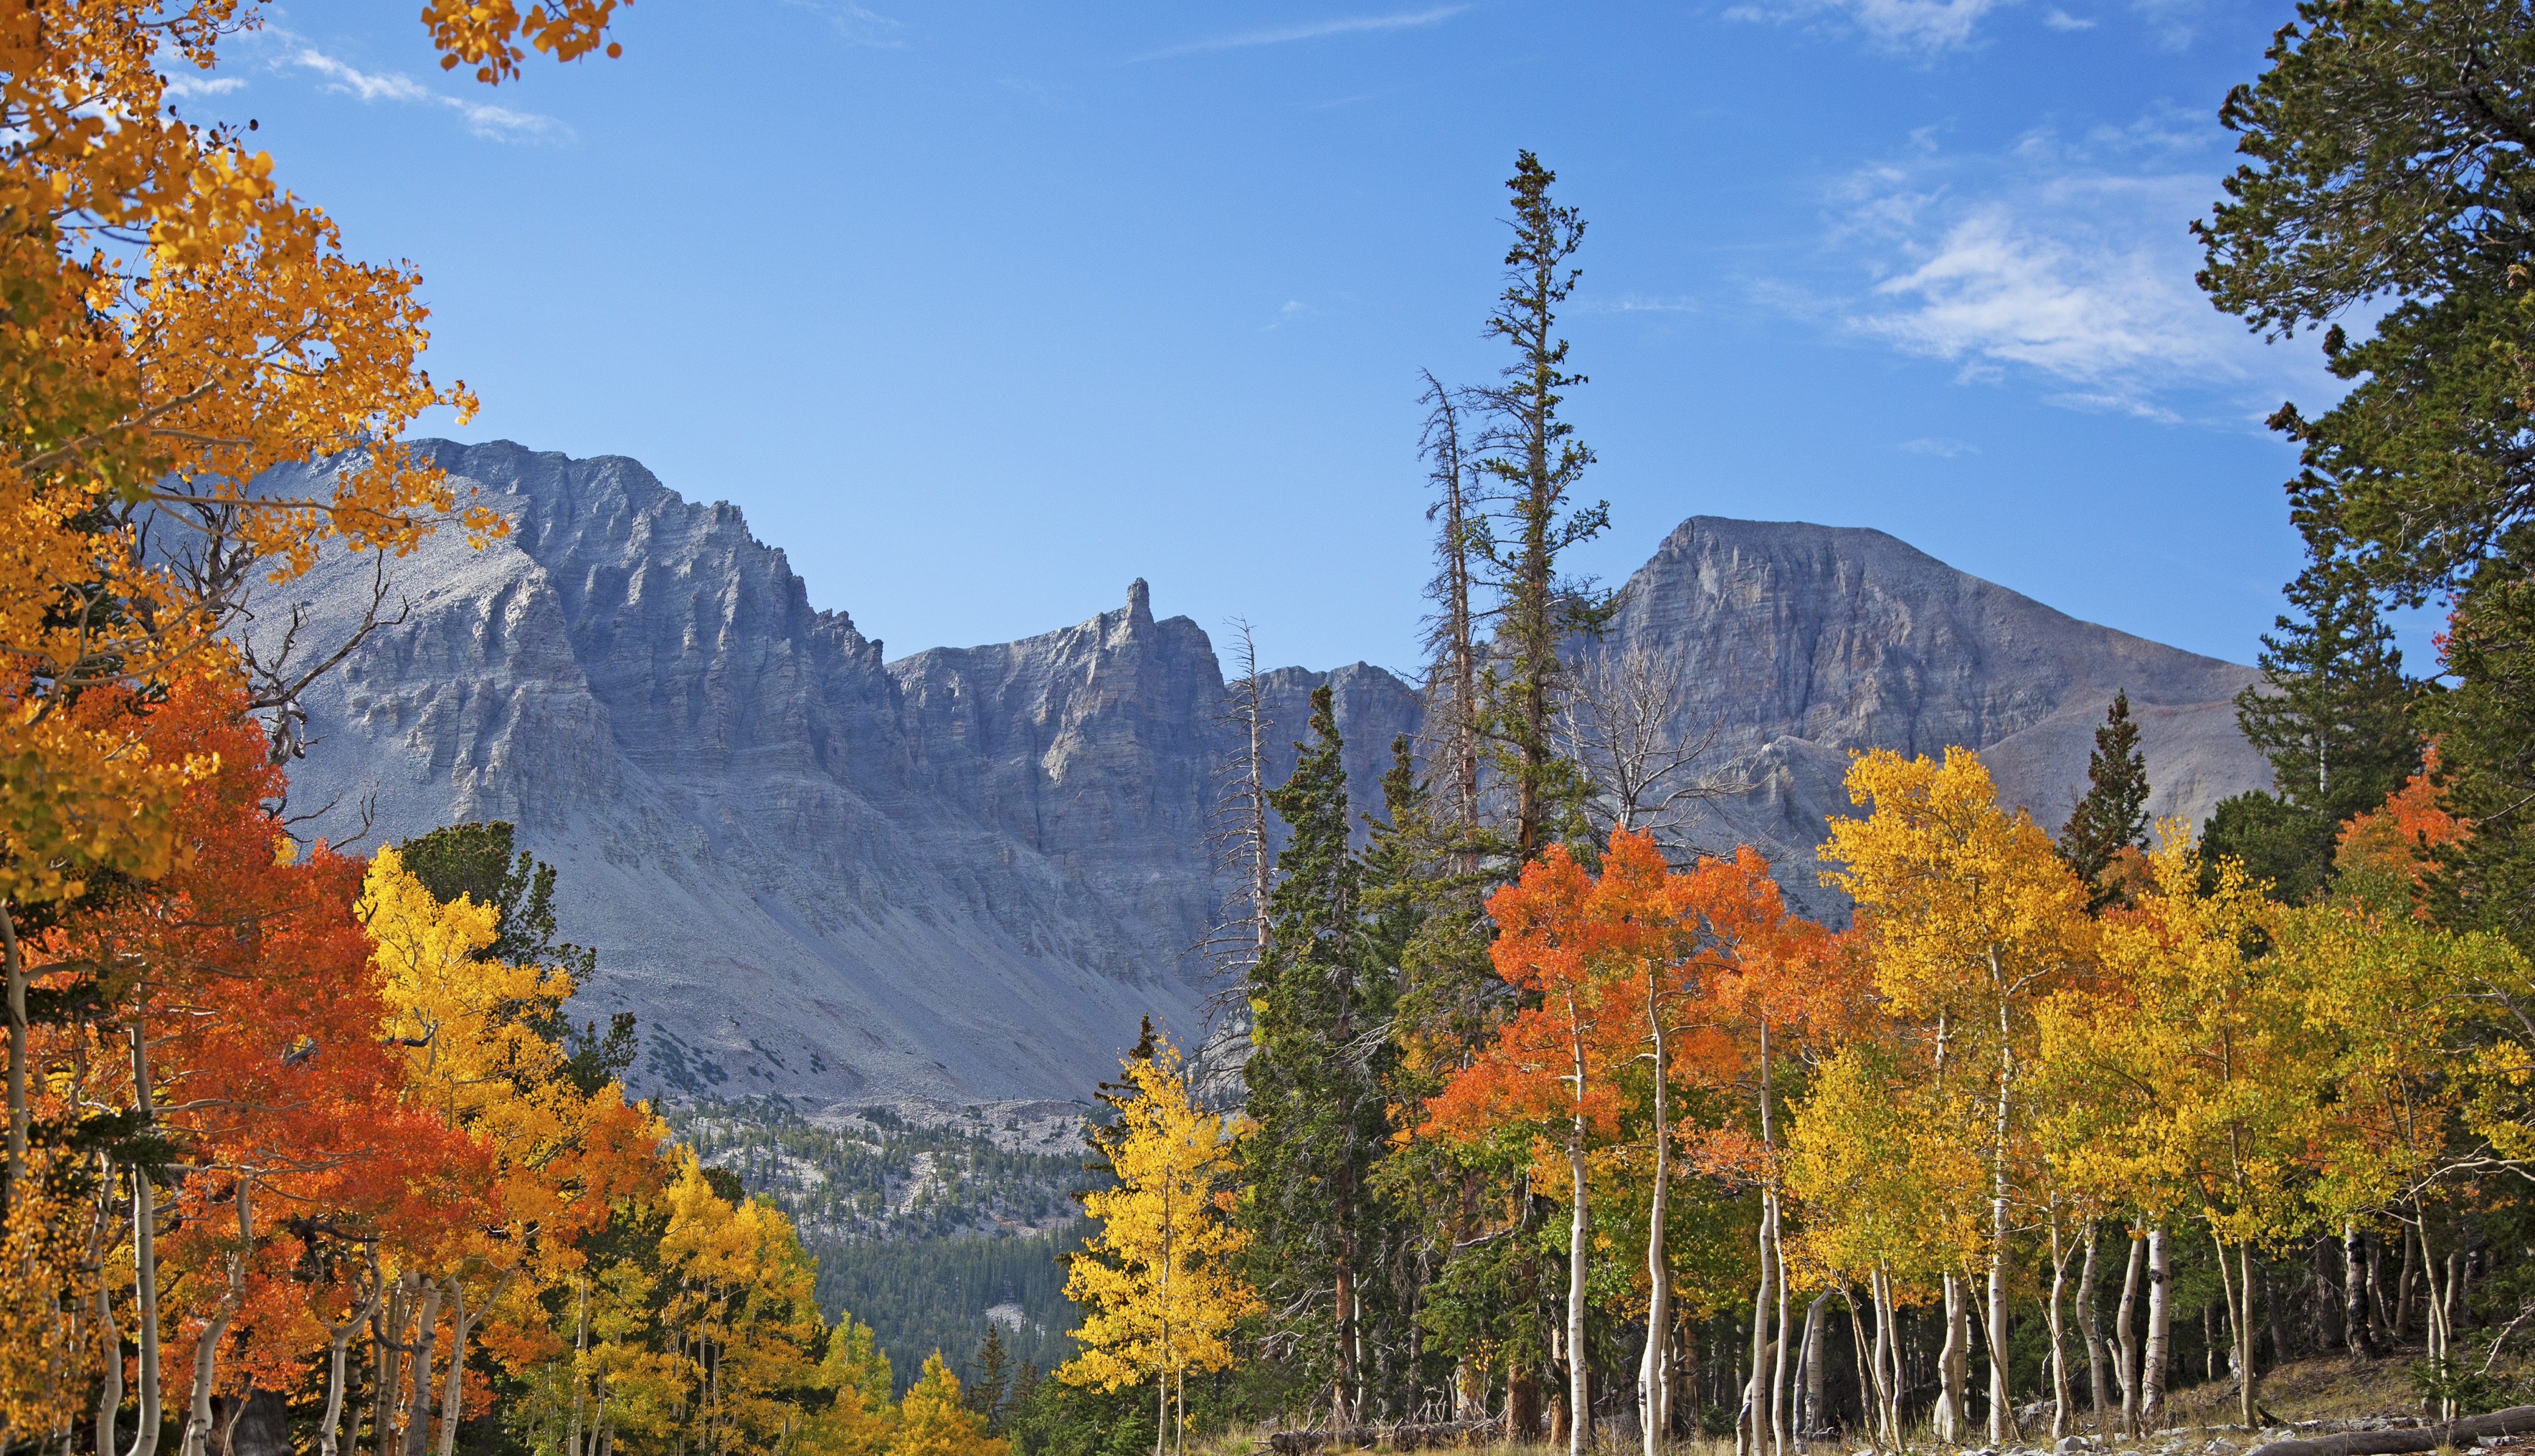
(1636, 303)
(1939, 446)
(1316, 31)
(1920, 26)
(186, 88)
(855, 24)
(484, 119)
(2061, 20)
(2063, 262)
(1294, 308)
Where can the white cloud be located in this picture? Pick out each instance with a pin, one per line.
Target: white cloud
(186, 88)
(1351, 26)
(1939, 446)
(1636, 303)
(1921, 25)
(2062, 263)
(484, 119)
(2061, 20)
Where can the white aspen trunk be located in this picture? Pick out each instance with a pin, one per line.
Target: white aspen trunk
(1748, 1427)
(1888, 1359)
(145, 1289)
(453, 1406)
(579, 1354)
(1579, 1236)
(1654, 1370)
(339, 1342)
(109, 1398)
(2090, 1330)
(417, 1415)
(1954, 1367)
(2061, 1399)
(2160, 1326)
(2251, 1404)
(1778, 1359)
(206, 1349)
(2125, 1328)
(1809, 1414)
(2002, 1399)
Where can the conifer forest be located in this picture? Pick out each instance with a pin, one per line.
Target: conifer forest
(1530, 1110)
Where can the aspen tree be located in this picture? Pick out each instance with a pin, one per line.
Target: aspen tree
(1157, 1283)
(1975, 922)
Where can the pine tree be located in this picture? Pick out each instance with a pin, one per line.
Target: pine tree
(1535, 461)
(1315, 1068)
(2330, 715)
(2114, 813)
(991, 1373)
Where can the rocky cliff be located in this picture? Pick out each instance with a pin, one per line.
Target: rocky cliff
(967, 871)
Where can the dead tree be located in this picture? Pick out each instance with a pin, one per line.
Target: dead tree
(1621, 722)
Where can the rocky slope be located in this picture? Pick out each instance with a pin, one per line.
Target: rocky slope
(966, 873)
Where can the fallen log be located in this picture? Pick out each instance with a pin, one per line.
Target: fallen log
(2516, 1421)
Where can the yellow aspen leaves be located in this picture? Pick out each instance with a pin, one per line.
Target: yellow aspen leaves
(1158, 1282)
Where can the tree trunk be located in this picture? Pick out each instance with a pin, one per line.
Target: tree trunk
(1579, 1245)
(2403, 1288)
(2090, 1329)
(1952, 1419)
(2160, 1327)
(1522, 1404)
(2354, 1292)
(1779, 1392)
(207, 1348)
(1809, 1416)
(417, 1419)
(145, 1260)
(2002, 1397)
(15, 965)
(2060, 1398)
(1654, 1370)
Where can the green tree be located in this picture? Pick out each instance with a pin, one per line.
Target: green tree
(1319, 1006)
(990, 1378)
(2330, 715)
(476, 862)
(2389, 147)
(2113, 816)
(1535, 461)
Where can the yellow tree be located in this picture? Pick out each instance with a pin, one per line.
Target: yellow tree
(1972, 921)
(1158, 1280)
(1890, 1196)
(561, 1156)
(931, 1420)
(172, 323)
(2424, 1045)
(2185, 1075)
(741, 1322)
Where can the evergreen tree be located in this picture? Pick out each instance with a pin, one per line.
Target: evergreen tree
(2114, 813)
(2330, 715)
(1535, 460)
(1313, 1075)
(476, 861)
(990, 1374)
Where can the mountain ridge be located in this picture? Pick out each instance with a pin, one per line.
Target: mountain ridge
(966, 872)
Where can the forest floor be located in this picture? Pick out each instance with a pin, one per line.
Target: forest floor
(2328, 1388)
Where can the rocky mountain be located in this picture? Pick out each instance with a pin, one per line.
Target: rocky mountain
(965, 874)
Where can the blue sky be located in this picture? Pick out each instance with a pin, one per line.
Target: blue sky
(982, 310)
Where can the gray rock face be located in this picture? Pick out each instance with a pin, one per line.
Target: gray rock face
(968, 871)
(1801, 644)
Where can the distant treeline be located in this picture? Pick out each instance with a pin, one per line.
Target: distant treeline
(922, 1295)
